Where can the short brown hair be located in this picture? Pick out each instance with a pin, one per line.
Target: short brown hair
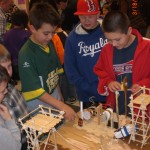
(116, 21)
(43, 13)
(4, 54)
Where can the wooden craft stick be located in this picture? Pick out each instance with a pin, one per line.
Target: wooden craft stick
(81, 109)
(98, 114)
(125, 87)
(117, 108)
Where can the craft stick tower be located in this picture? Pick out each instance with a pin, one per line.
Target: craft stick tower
(124, 87)
(139, 104)
(39, 125)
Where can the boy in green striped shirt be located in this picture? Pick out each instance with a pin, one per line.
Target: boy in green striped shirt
(39, 66)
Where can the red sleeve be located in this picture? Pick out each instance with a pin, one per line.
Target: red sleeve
(104, 70)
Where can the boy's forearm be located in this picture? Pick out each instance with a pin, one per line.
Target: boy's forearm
(47, 98)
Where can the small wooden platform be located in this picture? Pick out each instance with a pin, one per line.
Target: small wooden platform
(42, 122)
(143, 99)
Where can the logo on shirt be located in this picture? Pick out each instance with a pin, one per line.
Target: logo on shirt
(52, 80)
(26, 65)
(90, 50)
(123, 68)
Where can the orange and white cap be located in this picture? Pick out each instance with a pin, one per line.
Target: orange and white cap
(87, 7)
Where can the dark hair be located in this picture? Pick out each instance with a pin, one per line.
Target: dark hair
(4, 76)
(19, 18)
(115, 21)
(43, 13)
(58, 1)
(51, 2)
(4, 54)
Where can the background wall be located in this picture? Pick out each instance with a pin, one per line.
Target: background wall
(21, 3)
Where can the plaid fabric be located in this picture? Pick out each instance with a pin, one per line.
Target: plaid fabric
(2, 24)
(12, 9)
(15, 103)
(5, 19)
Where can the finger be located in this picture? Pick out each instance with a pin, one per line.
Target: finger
(114, 88)
(3, 107)
(111, 89)
(117, 87)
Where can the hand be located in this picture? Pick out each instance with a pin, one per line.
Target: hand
(69, 113)
(4, 112)
(114, 86)
(135, 88)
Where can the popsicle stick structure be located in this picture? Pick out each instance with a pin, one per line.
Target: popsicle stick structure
(39, 125)
(117, 106)
(98, 111)
(139, 104)
(124, 87)
(106, 114)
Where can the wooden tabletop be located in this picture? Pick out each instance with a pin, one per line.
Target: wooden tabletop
(91, 137)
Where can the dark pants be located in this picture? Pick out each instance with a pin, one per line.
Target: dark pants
(68, 90)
